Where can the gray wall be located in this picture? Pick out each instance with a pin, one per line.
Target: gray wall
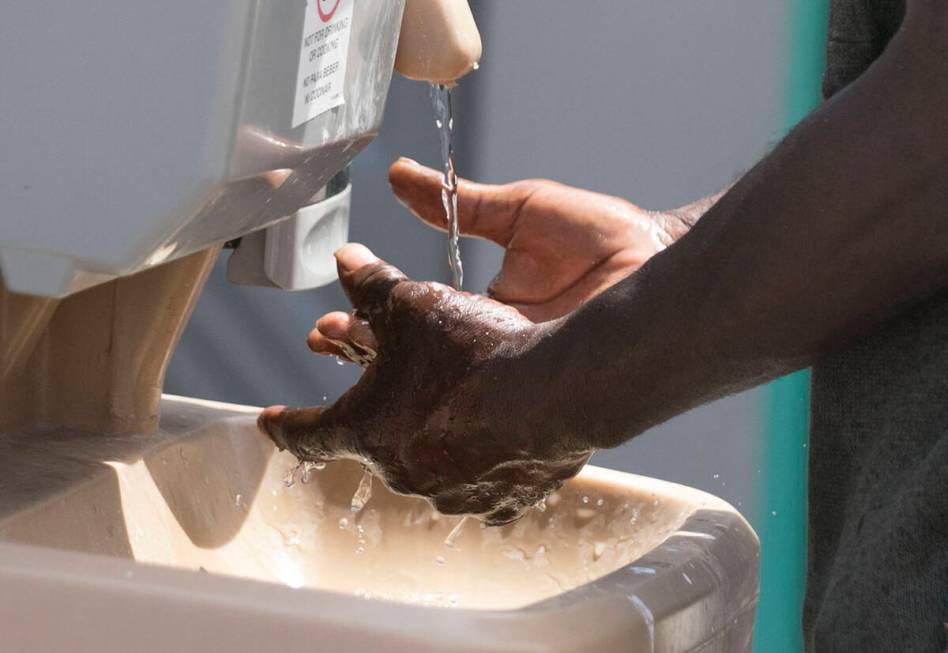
(660, 102)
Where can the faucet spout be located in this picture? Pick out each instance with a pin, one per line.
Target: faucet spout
(439, 41)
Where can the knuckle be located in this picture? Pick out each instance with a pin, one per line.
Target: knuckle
(503, 516)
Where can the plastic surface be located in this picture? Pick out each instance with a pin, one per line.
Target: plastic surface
(166, 129)
(297, 253)
(615, 563)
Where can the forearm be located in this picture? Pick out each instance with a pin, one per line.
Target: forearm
(839, 229)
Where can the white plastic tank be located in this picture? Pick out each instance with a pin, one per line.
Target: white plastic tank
(135, 133)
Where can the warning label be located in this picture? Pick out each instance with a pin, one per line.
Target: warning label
(322, 73)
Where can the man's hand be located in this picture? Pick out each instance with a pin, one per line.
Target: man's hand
(419, 415)
(563, 245)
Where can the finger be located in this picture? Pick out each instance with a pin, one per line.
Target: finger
(349, 335)
(503, 516)
(484, 210)
(367, 281)
(320, 340)
(320, 344)
(304, 432)
(361, 336)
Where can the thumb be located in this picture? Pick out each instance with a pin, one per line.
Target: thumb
(484, 210)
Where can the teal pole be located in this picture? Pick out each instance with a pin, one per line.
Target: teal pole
(781, 513)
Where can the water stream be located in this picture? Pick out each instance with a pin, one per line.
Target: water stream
(444, 121)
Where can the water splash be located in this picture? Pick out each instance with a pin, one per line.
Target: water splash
(303, 471)
(444, 120)
(363, 493)
(308, 469)
(455, 533)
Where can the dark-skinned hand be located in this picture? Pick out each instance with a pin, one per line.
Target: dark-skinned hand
(562, 245)
(419, 415)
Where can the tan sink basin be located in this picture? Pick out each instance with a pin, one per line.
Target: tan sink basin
(643, 560)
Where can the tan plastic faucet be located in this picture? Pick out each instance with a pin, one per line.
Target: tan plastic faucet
(439, 41)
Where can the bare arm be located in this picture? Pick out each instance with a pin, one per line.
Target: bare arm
(839, 229)
(842, 227)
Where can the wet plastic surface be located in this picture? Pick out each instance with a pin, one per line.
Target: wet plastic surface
(615, 562)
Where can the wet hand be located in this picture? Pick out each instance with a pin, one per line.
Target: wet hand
(563, 245)
(419, 414)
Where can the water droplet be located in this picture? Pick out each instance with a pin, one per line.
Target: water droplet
(439, 560)
(339, 361)
(290, 479)
(716, 476)
(542, 505)
(598, 549)
(237, 500)
(773, 513)
(319, 466)
(600, 503)
(343, 523)
(585, 499)
(360, 550)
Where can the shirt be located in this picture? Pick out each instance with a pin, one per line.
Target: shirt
(877, 568)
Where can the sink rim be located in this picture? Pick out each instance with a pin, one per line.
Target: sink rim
(634, 596)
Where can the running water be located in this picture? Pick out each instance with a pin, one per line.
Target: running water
(363, 493)
(304, 471)
(452, 539)
(444, 120)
